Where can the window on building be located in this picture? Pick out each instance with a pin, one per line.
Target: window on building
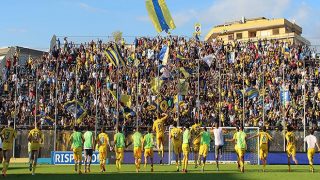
(239, 35)
(230, 37)
(252, 34)
(265, 33)
(275, 31)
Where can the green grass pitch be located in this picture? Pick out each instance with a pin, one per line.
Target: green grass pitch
(165, 172)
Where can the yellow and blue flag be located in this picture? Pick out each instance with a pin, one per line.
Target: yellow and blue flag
(46, 120)
(252, 93)
(185, 73)
(180, 56)
(183, 86)
(156, 84)
(164, 55)
(114, 56)
(75, 106)
(124, 99)
(160, 15)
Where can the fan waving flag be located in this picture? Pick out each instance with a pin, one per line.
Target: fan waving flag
(252, 93)
(114, 56)
(164, 55)
(160, 15)
(124, 99)
(75, 106)
(284, 96)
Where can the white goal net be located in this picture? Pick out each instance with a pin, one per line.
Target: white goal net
(228, 152)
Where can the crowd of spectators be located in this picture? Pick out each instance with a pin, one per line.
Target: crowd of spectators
(82, 71)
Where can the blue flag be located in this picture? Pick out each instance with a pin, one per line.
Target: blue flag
(284, 96)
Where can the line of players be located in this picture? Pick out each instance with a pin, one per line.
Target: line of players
(181, 143)
(181, 140)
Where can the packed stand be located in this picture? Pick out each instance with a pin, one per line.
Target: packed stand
(82, 72)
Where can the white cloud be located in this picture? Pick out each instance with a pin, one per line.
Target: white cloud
(92, 9)
(302, 14)
(229, 10)
(182, 18)
(16, 30)
(143, 19)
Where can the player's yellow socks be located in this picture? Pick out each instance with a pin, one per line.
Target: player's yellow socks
(241, 164)
(33, 168)
(138, 165)
(4, 165)
(185, 164)
(118, 165)
(79, 167)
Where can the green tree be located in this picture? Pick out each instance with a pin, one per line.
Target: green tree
(117, 36)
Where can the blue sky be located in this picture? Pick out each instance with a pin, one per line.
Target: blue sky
(32, 23)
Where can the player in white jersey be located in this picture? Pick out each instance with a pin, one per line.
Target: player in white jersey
(218, 142)
(312, 142)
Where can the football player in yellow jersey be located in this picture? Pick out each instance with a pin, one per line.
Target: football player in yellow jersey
(264, 139)
(103, 142)
(195, 131)
(176, 136)
(240, 138)
(35, 138)
(8, 134)
(291, 146)
(158, 127)
(236, 148)
(137, 140)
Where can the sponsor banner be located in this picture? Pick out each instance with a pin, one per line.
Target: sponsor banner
(66, 157)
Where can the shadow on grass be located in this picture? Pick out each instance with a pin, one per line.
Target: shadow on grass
(18, 167)
(126, 176)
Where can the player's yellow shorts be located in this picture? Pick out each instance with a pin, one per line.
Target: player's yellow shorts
(263, 154)
(6, 146)
(310, 154)
(291, 151)
(203, 151)
(241, 152)
(236, 150)
(196, 147)
(77, 154)
(119, 153)
(35, 147)
(160, 138)
(148, 153)
(177, 147)
(137, 152)
(102, 154)
(185, 149)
